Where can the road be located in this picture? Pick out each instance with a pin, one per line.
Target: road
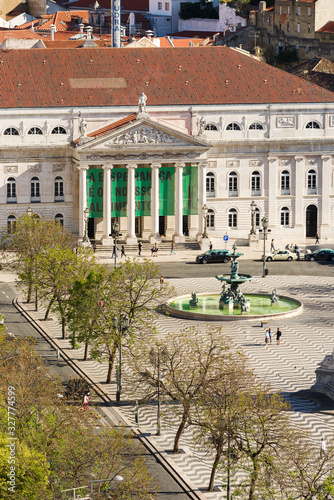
(17, 325)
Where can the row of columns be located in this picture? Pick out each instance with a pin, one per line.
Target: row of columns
(131, 209)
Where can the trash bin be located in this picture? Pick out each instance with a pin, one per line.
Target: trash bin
(266, 271)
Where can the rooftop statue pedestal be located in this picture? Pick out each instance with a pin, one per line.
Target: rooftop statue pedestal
(253, 240)
(325, 376)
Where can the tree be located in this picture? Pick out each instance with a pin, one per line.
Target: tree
(32, 236)
(238, 4)
(189, 364)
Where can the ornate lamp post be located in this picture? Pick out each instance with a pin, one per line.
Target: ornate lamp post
(253, 212)
(86, 216)
(205, 217)
(115, 228)
(265, 224)
(122, 324)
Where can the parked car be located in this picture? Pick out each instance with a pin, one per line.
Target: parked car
(323, 254)
(214, 256)
(281, 255)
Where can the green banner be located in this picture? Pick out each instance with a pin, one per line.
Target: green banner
(190, 191)
(143, 186)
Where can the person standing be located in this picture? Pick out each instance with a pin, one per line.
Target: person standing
(278, 336)
(139, 248)
(210, 246)
(122, 251)
(94, 247)
(156, 250)
(269, 333)
(172, 249)
(297, 251)
(317, 238)
(115, 251)
(85, 401)
(266, 337)
(161, 280)
(323, 447)
(272, 246)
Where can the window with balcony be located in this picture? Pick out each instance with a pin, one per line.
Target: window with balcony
(210, 219)
(11, 190)
(285, 217)
(256, 184)
(232, 218)
(285, 182)
(312, 182)
(11, 131)
(11, 224)
(233, 184)
(35, 193)
(210, 185)
(59, 189)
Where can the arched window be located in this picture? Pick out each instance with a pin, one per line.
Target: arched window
(311, 182)
(11, 224)
(210, 221)
(256, 126)
(210, 126)
(232, 184)
(59, 189)
(232, 218)
(35, 131)
(58, 130)
(285, 182)
(313, 125)
(256, 183)
(60, 219)
(233, 126)
(285, 217)
(11, 190)
(11, 131)
(210, 185)
(35, 192)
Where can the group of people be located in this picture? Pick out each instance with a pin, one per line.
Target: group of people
(268, 336)
(154, 250)
(293, 248)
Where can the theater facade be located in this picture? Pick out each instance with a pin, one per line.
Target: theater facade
(147, 137)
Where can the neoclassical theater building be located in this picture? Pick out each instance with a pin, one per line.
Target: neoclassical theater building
(149, 136)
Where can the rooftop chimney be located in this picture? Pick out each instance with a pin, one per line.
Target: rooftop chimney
(53, 31)
(81, 27)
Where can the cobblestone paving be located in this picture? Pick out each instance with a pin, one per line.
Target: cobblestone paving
(289, 367)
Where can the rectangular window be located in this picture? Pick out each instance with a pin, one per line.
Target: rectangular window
(232, 219)
(308, 11)
(167, 6)
(288, 27)
(280, 9)
(288, 10)
(308, 28)
(298, 28)
(159, 5)
(298, 11)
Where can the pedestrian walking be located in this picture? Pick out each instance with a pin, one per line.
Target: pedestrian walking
(85, 401)
(114, 251)
(266, 337)
(156, 250)
(161, 280)
(122, 251)
(317, 238)
(210, 246)
(152, 251)
(272, 246)
(94, 247)
(323, 447)
(172, 249)
(278, 336)
(139, 248)
(269, 332)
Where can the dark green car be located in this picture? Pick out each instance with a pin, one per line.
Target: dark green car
(215, 256)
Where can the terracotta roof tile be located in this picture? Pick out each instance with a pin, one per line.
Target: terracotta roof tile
(115, 77)
(61, 19)
(112, 126)
(328, 28)
(131, 5)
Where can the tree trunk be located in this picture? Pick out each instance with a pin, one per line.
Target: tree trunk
(180, 430)
(86, 351)
(29, 293)
(214, 469)
(63, 323)
(111, 362)
(47, 312)
(253, 480)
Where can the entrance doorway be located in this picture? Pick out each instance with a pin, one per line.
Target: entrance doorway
(138, 227)
(185, 225)
(311, 221)
(162, 225)
(91, 228)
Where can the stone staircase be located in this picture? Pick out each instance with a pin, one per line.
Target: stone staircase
(165, 245)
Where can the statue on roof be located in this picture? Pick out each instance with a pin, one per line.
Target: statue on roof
(142, 103)
(83, 127)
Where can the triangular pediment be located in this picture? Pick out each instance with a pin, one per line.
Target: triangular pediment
(142, 134)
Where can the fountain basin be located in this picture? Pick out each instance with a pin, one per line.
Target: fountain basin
(208, 308)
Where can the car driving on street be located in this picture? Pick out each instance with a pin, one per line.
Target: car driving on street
(281, 255)
(213, 256)
(323, 254)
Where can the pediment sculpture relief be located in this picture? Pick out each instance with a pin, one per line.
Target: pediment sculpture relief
(145, 135)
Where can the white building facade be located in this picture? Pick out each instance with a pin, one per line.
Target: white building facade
(153, 168)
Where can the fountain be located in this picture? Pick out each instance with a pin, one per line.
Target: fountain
(232, 304)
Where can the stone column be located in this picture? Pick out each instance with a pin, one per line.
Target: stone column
(201, 198)
(155, 237)
(131, 206)
(325, 230)
(82, 198)
(178, 237)
(106, 238)
(299, 181)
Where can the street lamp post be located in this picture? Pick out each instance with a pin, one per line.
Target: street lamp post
(115, 229)
(265, 224)
(86, 216)
(122, 324)
(205, 217)
(253, 211)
